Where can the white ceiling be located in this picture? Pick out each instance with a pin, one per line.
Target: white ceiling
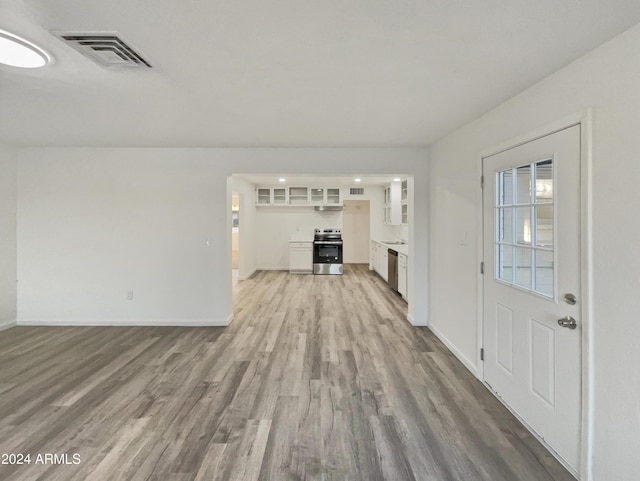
(247, 73)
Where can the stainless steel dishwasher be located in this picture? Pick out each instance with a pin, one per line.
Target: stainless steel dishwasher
(392, 279)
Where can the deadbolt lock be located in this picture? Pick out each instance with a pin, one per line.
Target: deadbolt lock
(570, 299)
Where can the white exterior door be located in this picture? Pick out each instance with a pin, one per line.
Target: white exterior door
(531, 204)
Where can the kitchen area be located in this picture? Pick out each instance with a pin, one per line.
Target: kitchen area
(315, 225)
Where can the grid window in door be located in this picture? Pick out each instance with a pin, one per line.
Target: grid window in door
(524, 235)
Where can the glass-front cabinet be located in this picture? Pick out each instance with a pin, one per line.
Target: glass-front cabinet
(280, 196)
(263, 196)
(298, 196)
(333, 196)
(317, 195)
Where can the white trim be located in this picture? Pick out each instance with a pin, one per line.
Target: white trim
(586, 247)
(245, 277)
(127, 322)
(413, 322)
(584, 119)
(7, 325)
(272, 268)
(461, 357)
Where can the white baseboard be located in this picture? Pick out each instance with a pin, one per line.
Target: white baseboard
(471, 366)
(245, 277)
(129, 322)
(7, 325)
(412, 320)
(273, 268)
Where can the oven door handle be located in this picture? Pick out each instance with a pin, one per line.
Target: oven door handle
(330, 243)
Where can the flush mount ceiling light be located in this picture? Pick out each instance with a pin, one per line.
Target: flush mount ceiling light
(357, 180)
(18, 52)
(397, 179)
(282, 179)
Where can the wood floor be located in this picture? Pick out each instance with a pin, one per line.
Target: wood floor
(317, 378)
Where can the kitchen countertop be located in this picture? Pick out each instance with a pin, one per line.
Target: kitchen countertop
(301, 240)
(399, 248)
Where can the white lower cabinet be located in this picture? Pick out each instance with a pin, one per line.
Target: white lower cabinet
(301, 257)
(383, 262)
(373, 256)
(402, 275)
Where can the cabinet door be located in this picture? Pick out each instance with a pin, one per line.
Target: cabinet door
(393, 207)
(263, 196)
(279, 195)
(317, 195)
(402, 275)
(333, 196)
(373, 256)
(383, 261)
(299, 195)
(301, 257)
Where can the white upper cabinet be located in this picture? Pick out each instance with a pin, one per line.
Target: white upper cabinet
(263, 196)
(334, 196)
(393, 204)
(404, 196)
(298, 196)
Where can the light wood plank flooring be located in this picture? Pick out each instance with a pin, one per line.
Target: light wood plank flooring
(317, 378)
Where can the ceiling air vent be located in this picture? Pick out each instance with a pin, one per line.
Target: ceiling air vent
(356, 191)
(104, 48)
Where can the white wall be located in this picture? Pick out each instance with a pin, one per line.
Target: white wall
(608, 80)
(95, 223)
(8, 251)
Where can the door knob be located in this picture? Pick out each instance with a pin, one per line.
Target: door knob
(568, 322)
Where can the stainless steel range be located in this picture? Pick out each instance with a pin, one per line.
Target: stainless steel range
(327, 251)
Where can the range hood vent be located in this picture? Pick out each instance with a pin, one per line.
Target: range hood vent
(324, 208)
(107, 49)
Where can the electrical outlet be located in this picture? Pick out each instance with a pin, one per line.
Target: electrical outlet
(130, 295)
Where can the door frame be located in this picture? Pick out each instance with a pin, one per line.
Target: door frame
(583, 119)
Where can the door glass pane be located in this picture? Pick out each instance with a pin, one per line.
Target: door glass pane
(505, 187)
(544, 272)
(523, 184)
(523, 267)
(523, 225)
(544, 225)
(544, 181)
(505, 263)
(505, 224)
(525, 234)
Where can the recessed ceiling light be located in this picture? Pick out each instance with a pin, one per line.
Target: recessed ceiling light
(18, 52)
(282, 179)
(397, 179)
(357, 180)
